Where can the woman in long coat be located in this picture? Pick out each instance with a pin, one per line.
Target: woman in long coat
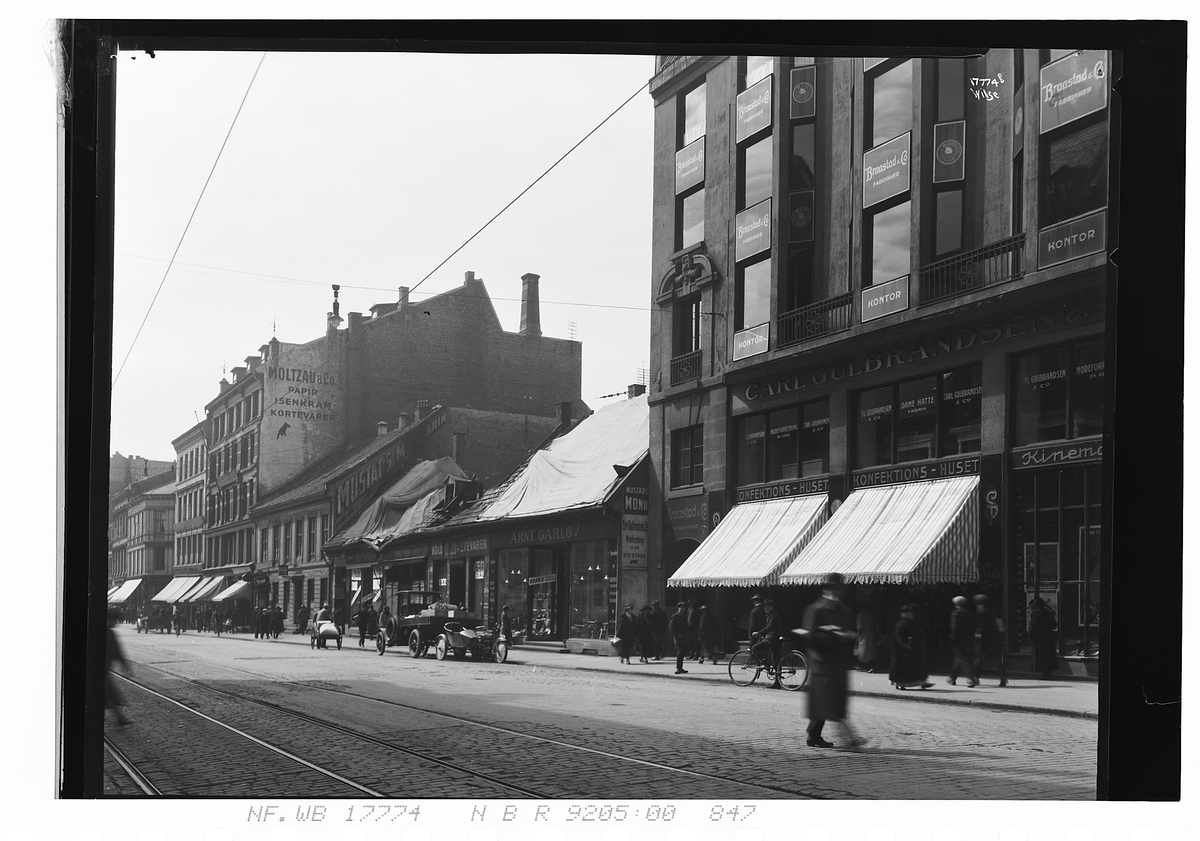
(626, 633)
(830, 634)
(1042, 628)
(909, 665)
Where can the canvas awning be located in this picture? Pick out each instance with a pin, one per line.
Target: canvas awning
(203, 590)
(112, 590)
(918, 533)
(233, 591)
(124, 591)
(176, 588)
(754, 543)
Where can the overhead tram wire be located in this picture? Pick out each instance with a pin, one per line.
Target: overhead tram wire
(196, 207)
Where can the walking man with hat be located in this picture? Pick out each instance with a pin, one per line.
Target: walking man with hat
(830, 630)
(681, 633)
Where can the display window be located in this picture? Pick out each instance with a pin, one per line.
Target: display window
(528, 584)
(592, 568)
(1058, 393)
(787, 443)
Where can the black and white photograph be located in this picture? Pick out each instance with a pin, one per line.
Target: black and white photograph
(473, 428)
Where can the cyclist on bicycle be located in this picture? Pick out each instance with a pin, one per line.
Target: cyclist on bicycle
(767, 642)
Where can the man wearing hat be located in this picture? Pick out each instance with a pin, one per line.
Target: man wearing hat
(766, 648)
(830, 631)
(679, 631)
(758, 616)
(962, 638)
(626, 633)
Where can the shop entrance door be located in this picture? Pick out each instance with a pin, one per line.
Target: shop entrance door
(458, 584)
(542, 600)
(476, 572)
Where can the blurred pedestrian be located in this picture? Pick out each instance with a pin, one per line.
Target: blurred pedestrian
(626, 633)
(829, 629)
(678, 628)
(909, 664)
(276, 624)
(990, 628)
(708, 635)
(1042, 628)
(693, 619)
(962, 637)
(658, 623)
(645, 635)
(113, 654)
(302, 619)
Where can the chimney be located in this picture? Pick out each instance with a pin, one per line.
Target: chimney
(564, 412)
(531, 316)
(422, 409)
(381, 429)
(405, 420)
(635, 390)
(334, 318)
(403, 298)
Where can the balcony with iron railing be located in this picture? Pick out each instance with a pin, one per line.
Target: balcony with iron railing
(685, 368)
(972, 270)
(815, 320)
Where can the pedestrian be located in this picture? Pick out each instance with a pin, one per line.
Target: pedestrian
(113, 654)
(829, 629)
(693, 619)
(216, 622)
(302, 619)
(645, 635)
(385, 623)
(866, 646)
(276, 622)
(962, 638)
(708, 635)
(361, 619)
(199, 618)
(1042, 634)
(658, 623)
(757, 618)
(909, 664)
(678, 628)
(505, 625)
(990, 628)
(626, 633)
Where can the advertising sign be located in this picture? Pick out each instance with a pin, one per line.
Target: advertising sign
(689, 166)
(801, 215)
(949, 159)
(1073, 87)
(754, 109)
(751, 341)
(946, 468)
(634, 529)
(1069, 240)
(1044, 455)
(803, 100)
(886, 170)
(885, 298)
(752, 231)
(1018, 120)
(778, 490)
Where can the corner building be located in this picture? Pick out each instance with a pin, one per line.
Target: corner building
(879, 275)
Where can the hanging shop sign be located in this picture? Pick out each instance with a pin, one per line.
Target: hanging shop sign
(801, 215)
(803, 101)
(1018, 120)
(946, 468)
(779, 490)
(754, 109)
(751, 341)
(949, 159)
(689, 166)
(886, 170)
(885, 299)
(752, 231)
(1049, 455)
(1071, 240)
(1073, 87)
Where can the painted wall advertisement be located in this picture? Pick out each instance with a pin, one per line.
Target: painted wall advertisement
(754, 109)
(302, 418)
(689, 166)
(886, 170)
(752, 231)
(635, 520)
(1073, 87)
(1069, 240)
(885, 298)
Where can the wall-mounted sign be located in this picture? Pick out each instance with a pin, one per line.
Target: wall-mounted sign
(754, 109)
(752, 231)
(468, 546)
(803, 100)
(689, 166)
(1073, 87)
(1048, 455)
(946, 468)
(1069, 240)
(885, 298)
(634, 528)
(751, 341)
(949, 158)
(688, 517)
(801, 215)
(442, 582)
(541, 579)
(778, 490)
(886, 170)
(480, 567)
(1018, 120)
(582, 530)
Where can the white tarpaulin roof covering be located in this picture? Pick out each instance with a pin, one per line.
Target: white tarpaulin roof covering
(576, 470)
(232, 591)
(754, 543)
(404, 507)
(919, 533)
(124, 591)
(176, 588)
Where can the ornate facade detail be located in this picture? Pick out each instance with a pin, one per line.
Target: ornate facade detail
(689, 272)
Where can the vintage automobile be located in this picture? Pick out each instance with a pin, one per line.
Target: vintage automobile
(422, 620)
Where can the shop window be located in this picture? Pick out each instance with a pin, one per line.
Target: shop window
(689, 218)
(686, 333)
(916, 420)
(814, 439)
(783, 444)
(889, 103)
(1059, 393)
(886, 243)
(687, 456)
(752, 294)
(961, 411)
(874, 425)
(1074, 171)
(591, 568)
(928, 417)
(755, 172)
(751, 450)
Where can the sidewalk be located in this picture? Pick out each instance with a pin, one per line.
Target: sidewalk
(1073, 698)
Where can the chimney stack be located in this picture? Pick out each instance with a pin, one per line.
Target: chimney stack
(381, 429)
(635, 390)
(531, 315)
(422, 409)
(405, 420)
(403, 298)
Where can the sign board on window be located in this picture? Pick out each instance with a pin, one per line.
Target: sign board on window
(751, 341)
(949, 157)
(801, 215)
(1069, 240)
(752, 231)
(1073, 87)
(689, 166)
(754, 109)
(886, 170)
(803, 100)
(480, 566)
(885, 298)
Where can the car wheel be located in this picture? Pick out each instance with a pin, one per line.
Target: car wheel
(500, 652)
(414, 644)
(441, 647)
(380, 644)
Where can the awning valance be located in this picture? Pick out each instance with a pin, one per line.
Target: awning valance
(918, 533)
(176, 588)
(204, 590)
(233, 591)
(754, 543)
(124, 591)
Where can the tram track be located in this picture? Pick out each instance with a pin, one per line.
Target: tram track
(131, 770)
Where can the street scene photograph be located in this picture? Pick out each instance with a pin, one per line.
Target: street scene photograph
(649, 439)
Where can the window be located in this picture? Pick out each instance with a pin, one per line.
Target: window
(689, 216)
(889, 95)
(755, 68)
(160, 559)
(948, 234)
(887, 225)
(1075, 163)
(689, 171)
(264, 545)
(237, 416)
(751, 449)
(951, 102)
(797, 290)
(755, 172)
(275, 536)
(949, 186)
(796, 287)
(887, 246)
(686, 333)
(783, 444)
(312, 537)
(324, 529)
(1059, 393)
(687, 456)
(802, 167)
(923, 418)
(1018, 193)
(753, 294)
(692, 116)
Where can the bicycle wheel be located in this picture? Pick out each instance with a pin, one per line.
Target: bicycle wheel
(742, 669)
(793, 671)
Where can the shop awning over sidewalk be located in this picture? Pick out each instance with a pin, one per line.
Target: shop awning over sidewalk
(918, 533)
(202, 591)
(232, 591)
(124, 591)
(754, 543)
(112, 590)
(176, 588)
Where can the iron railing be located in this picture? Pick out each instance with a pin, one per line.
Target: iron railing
(685, 368)
(972, 270)
(815, 320)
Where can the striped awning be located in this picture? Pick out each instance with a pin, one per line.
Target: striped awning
(232, 591)
(112, 590)
(754, 543)
(918, 533)
(124, 591)
(202, 591)
(176, 588)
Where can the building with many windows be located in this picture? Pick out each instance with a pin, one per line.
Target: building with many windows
(882, 280)
(190, 499)
(141, 537)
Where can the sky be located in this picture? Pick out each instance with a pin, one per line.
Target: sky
(367, 170)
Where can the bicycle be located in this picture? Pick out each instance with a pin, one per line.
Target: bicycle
(790, 670)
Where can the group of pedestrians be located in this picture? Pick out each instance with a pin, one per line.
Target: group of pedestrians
(691, 630)
(367, 620)
(267, 622)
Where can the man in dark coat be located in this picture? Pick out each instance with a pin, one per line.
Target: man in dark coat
(658, 624)
(645, 635)
(830, 633)
(1042, 628)
(276, 622)
(909, 667)
(680, 633)
(693, 619)
(302, 619)
(758, 617)
(962, 638)
(626, 633)
(708, 635)
(767, 640)
(991, 639)
(112, 655)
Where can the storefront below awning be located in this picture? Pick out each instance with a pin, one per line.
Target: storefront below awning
(202, 591)
(917, 533)
(754, 543)
(176, 588)
(233, 591)
(124, 591)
